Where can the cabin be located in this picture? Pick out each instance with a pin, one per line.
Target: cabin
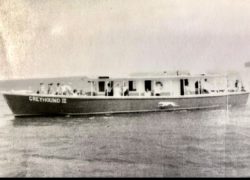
(180, 84)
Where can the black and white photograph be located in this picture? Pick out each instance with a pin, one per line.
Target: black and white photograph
(124, 88)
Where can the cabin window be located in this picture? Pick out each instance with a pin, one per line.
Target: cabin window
(101, 86)
(132, 86)
(148, 85)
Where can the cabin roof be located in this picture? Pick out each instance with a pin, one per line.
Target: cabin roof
(197, 76)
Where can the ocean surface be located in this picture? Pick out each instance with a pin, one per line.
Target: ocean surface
(201, 143)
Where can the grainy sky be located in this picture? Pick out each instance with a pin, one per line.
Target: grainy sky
(49, 38)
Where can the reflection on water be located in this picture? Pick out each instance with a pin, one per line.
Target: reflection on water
(184, 143)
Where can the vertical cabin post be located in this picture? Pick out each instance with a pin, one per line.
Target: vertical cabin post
(227, 92)
(105, 88)
(170, 86)
(122, 87)
(227, 84)
(153, 87)
(199, 86)
(91, 88)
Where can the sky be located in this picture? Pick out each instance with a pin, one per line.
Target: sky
(56, 38)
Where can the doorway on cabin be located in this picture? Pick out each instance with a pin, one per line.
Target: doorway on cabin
(182, 86)
(148, 85)
(184, 83)
(101, 85)
(109, 88)
(197, 87)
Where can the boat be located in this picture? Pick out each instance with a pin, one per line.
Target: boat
(139, 93)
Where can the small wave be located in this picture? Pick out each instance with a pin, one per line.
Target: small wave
(107, 117)
(195, 149)
(191, 138)
(51, 157)
(115, 160)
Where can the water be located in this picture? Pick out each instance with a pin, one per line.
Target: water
(186, 143)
